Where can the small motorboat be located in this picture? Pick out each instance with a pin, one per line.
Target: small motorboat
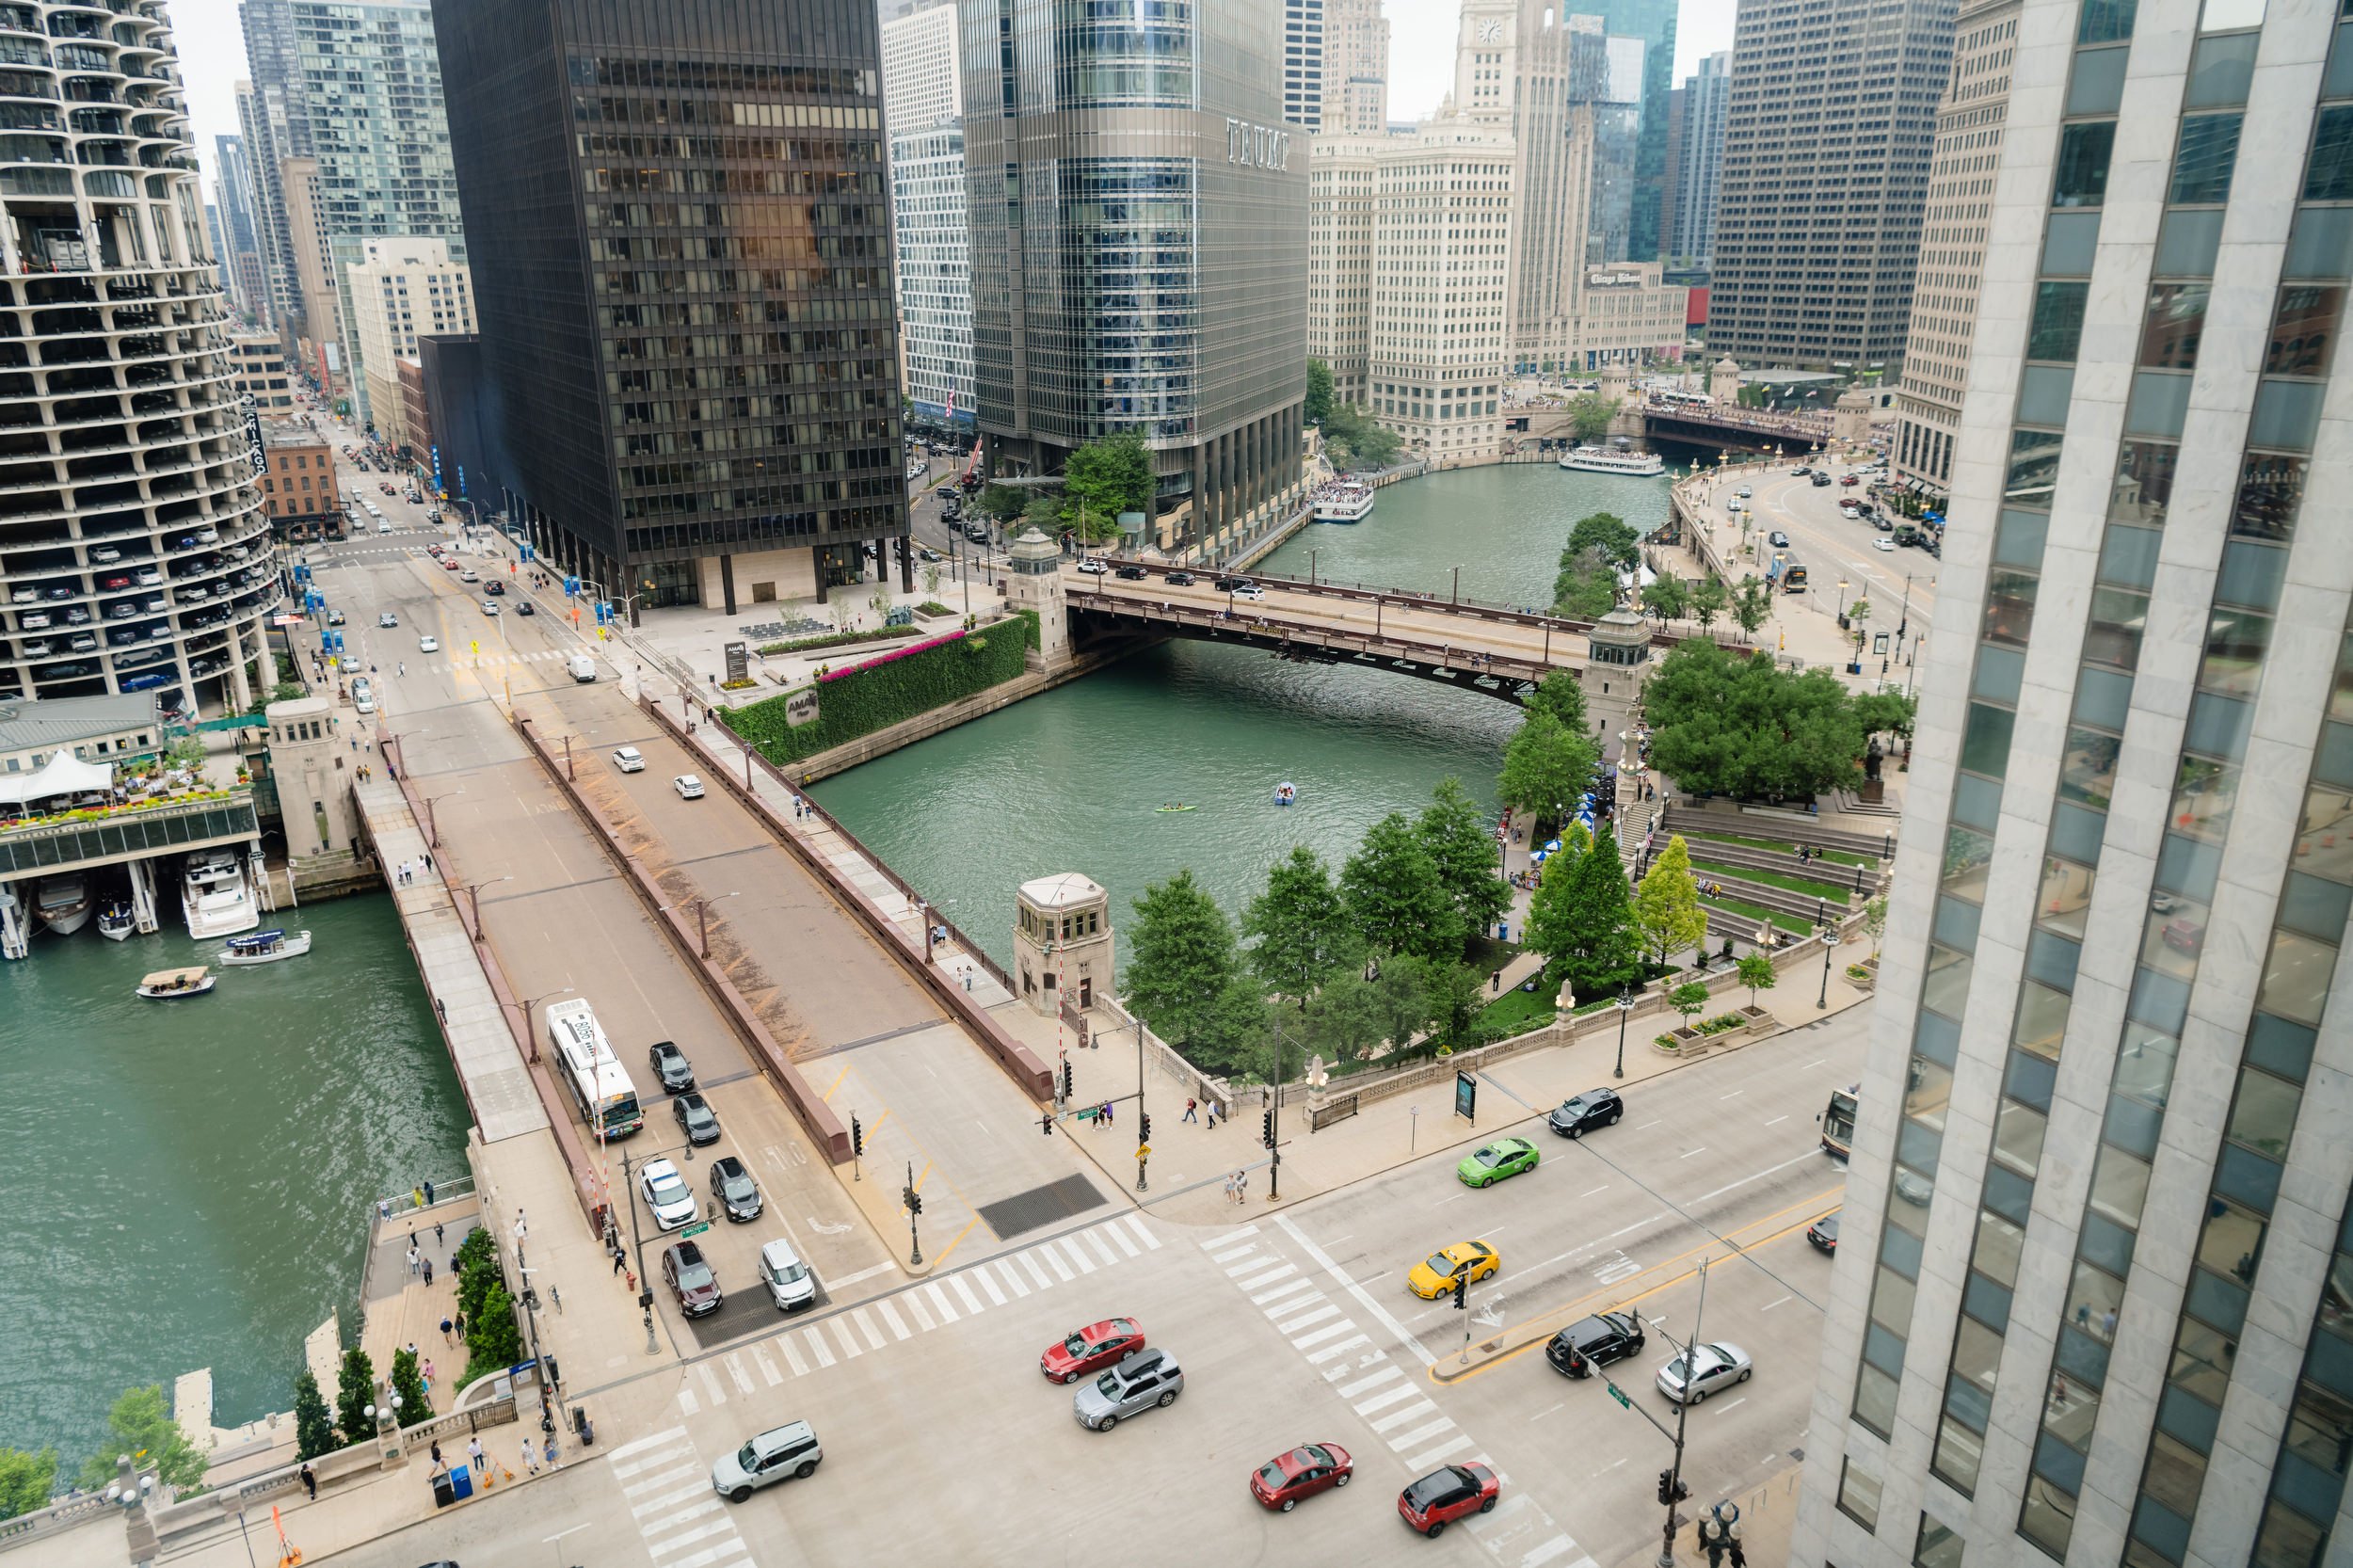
(116, 922)
(266, 947)
(1175, 806)
(1287, 794)
(166, 983)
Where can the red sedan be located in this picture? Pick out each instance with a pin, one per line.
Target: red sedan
(448, 565)
(1091, 1349)
(1447, 1494)
(1309, 1468)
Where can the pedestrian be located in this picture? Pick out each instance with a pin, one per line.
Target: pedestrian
(426, 860)
(428, 1274)
(531, 1457)
(436, 1233)
(1212, 1109)
(618, 1256)
(1229, 1189)
(445, 1338)
(520, 1230)
(461, 1321)
(1107, 1112)
(553, 1460)
(1189, 1115)
(310, 1481)
(2107, 1324)
(428, 1379)
(414, 1258)
(437, 1454)
(416, 1199)
(2083, 1314)
(355, 742)
(1242, 1185)
(474, 1451)
(429, 1194)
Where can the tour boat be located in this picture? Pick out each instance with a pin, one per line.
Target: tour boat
(63, 903)
(266, 947)
(116, 922)
(166, 983)
(1347, 501)
(213, 896)
(1612, 460)
(1287, 794)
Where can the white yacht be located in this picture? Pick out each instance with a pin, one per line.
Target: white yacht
(116, 922)
(1612, 460)
(214, 895)
(63, 903)
(1347, 501)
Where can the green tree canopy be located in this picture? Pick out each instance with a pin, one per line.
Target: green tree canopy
(1346, 1020)
(1456, 993)
(1401, 993)
(1547, 767)
(1666, 905)
(1184, 966)
(1393, 892)
(1884, 712)
(1003, 502)
(315, 1429)
(1585, 586)
(1709, 600)
(1103, 478)
(140, 1425)
(1757, 973)
(491, 1335)
(1667, 598)
(1589, 414)
(1318, 391)
(1301, 927)
(1356, 439)
(28, 1479)
(1752, 604)
(1582, 919)
(1562, 695)
(408, 1382)
(1687, 1000)
(354, 1390)
(1747, 727)
(1463, 848)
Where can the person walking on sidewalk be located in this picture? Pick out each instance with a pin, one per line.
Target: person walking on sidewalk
(474, 1451)
(1212, 1127)
(1229, 1189)
(428, 1274)
(310, 1483)
(415, 1258)
(445, 1338)
(1189, 1115)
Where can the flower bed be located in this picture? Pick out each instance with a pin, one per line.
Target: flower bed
(828, 673)
(832, 639)
(876, 693)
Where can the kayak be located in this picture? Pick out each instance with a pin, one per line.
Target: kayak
(1174, 808)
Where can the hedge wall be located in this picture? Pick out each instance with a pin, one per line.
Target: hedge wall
(864, 701)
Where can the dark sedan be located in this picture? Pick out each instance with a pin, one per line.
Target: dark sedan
(732, 1185)
(695, 1116)
(690, 1280)
(671, 1067)
(1823, 1232)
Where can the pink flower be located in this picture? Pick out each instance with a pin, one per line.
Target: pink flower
(881, 659)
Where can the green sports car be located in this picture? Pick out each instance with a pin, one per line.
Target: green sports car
(1505, 1157)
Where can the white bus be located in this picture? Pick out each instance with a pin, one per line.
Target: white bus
(607, 1099)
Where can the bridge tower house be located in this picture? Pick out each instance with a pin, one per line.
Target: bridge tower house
(1723, 383)
(1062, 943)
(1034, 582)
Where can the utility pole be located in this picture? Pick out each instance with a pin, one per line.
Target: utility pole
(913, 1201)
(1675, 1489)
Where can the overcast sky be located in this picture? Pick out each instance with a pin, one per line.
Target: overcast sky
(1422, 56)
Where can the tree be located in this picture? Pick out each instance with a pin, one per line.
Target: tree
(1752, 604)
(1744, 726)
(1463, 848)
(1401, 994)
(1580, 918)
(1547, 768)
(1888, 712)
(1394, 895)
(1875, 921)
(1346, 1020)
(1687, 1000)
(1562, 695)
(1667, 598)
(1606, 536)
(1184, 962)
(1103, 478)
(490, 1332)
(315, 1429)
(1600, 546)
(1356, 439)
(477, 1270)
(140, 1425)
(1591, 414)
(185, 752)
(1757, 973)
(1318, 391)
(28, 1479)
(1666, 905)
(1301, 927)
(1709, 600)
(354, 1390)
(408, 1387)
(1456, 994)
(1002, 503)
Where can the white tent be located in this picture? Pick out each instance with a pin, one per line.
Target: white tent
(63, 775)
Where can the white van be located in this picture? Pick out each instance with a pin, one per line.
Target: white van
(580, 667)
(787, 1278)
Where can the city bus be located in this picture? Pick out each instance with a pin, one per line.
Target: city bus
(1839, 1122)
(599, 1085)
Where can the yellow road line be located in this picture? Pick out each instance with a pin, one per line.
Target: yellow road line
(942, 1256)
(836, 1081)
(1810, 1206)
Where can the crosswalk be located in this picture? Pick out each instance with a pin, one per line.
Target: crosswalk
(808, 1349)
(1392, 1403)
(666, 1486)
(495, 659)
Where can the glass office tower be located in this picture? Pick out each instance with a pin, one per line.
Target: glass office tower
(2095, 1298)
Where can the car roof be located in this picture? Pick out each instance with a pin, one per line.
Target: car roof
(670, 1046)
(653, 1168)
(778, 1252)
(1136, 1363)
(726, 1164)
(688, 1254)
(778, 1437)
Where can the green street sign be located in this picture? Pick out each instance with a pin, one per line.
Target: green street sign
(701, 1225)
(1619, 1394)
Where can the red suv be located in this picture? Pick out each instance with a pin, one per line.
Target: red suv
(1444, 1495)
(691, 1279)
(1091, 1349)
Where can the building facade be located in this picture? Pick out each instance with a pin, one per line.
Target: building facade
(274, 130)
(738, 441)
(923, 105)
(318, 312)
(1343, 217)
(401, 289)
(1303, 63)
(1355, 69)
(1952, 246)
(299, 488)
(257, 361)
(134, 551)
(240, 254)
(1628, 314)
(1699, 161)
(922, 81)
(1441, 288)
(1828, 135)
(1138, 259)
(2091, 1306)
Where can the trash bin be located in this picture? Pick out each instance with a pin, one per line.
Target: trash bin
(460, 1481)
(444, 1491)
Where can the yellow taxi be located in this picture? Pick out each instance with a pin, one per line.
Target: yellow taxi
(1434, 1275)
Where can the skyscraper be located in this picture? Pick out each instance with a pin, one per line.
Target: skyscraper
(923, 105)
(1827, 141)
(133, 553)
(1652, 23)
(401, 290)
(1952, 246)
(241, 256)
(2091, 1303)
(1303, 63)
(1698, 175)
(688, 370)
(263, 140)
(1355, 69)
(1139, 258)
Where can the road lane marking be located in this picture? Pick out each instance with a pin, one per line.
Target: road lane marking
(1343, 1347)
(1119, 1234)
(1349, 1391)
(767, 1367)
(866, 1326)
(1012, 1277)
(939, 1295)
(1816, 1063)
(1733, 1096)
(923, 1315)
(1386, 1397)
(841, 1280)
(969, 1297)
(1053, 1260)
(1603, 1188)
(711, 1383)
(1548, 1409)
(891, 1317)
(1421, 1434)
(1742, 1400)
(1702, 1149)
(1303, 1342)
(1096, 1242)
(793, 1354)
(1777, 1121)
(1151, 1241)
(1076, 1254)
(1755, 1175)
(1647, 1126)
(816, 1343)
(1289, 1287)
(849, 1341)
(1770, 1305)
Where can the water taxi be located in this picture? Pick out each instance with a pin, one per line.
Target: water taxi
(165, 984)
(116, 922)
(1612, 460)
(266, 947)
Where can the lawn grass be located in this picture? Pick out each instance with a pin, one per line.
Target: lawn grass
(1833, 891)
(1838, 857)
(1516, 1011)
(1751, 912)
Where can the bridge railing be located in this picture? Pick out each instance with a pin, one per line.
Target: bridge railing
(1412, 599)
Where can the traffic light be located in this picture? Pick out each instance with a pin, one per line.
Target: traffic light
(1068, 1082)
(1462, 1292)
(1266, 1128)
(1666, 1486)
(858, 1136)
(1046, 1125)
(1143, 1130)
(914, 1201)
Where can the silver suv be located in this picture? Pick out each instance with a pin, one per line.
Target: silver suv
(787, 1450)
(1140, 1381)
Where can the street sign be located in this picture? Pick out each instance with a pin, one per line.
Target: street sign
(695, 1229)
(1144, 1151)
(1619, 1394)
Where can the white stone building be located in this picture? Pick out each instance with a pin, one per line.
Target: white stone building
(401, 289)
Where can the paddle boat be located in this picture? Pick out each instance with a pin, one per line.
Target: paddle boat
(1287, 794)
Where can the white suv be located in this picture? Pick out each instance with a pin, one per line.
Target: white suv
(629, 759)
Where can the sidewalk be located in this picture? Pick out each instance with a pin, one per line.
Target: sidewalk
(402, 1310)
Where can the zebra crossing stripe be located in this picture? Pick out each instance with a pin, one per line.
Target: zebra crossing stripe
(704, 1559)
(767, 1367)
(668, 1477)
(866, 1326)
(1411, 1412)
(1053, 1260)
(1370, 1381)
(1094, 1239)
(784, 1343)
(672, 1434)
(891, 1317)
(1445, 1450)
(742, 1378)
(1012, 1277)
(1289, 1287)
(816, 1343)
(966, 1294)
(1422, 1434)
(687, 1403)
(988, 1284)
(915, 1305)
(1119, 1234)
(1300, 1311)
(1136, 1223)
(1386, 1398)
(940, 1301)
(1341, 1348)
(679, 1543)
(711, 1383)
(1331, 1331)
(849, 1342)
(1078, 1254)
(1265, 1276)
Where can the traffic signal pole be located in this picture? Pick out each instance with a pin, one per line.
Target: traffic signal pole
(1676, 1490)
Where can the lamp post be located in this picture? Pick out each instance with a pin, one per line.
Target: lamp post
(530, 1005)
(473, 896)
(702, 919)
(1842, 596)
(1625, 1010)
(432, 834)
(1829, 945)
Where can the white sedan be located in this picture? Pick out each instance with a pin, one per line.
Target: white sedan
(667, 1194)
(429, 645)
(687, 786)
(1718, 1367)
(629, 759)
(1882, 542)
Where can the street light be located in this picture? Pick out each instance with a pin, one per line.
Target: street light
(1829, 945)
(473, 895)
(530, 1005)
(702, 918)
(1625, 1010)
(432, 835)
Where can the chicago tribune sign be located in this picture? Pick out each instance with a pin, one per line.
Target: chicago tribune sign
(1257, 145)
(1606, 279)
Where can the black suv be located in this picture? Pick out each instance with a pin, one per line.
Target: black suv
(732, 1185)
(1580, 1114)
(1583, 1346)
(1178, 580)
(1823, 1232)
(695, 1116)
(671, 1067)
(1821, 480)
(1133, 574)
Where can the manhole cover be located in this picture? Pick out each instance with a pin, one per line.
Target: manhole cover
(1041, 1206)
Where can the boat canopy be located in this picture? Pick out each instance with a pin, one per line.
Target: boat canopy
(259, 939)
(172, 979)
